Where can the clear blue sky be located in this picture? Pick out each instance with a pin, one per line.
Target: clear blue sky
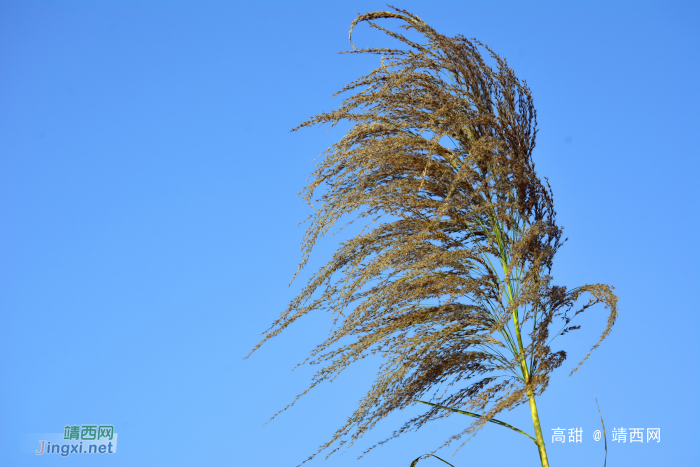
(149, 217)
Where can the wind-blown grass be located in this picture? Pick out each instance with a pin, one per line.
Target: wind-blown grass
(605, 435)
(439, 161)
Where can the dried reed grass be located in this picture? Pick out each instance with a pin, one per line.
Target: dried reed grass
(439, 159)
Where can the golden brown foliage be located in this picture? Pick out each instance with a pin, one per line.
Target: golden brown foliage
(440, 158)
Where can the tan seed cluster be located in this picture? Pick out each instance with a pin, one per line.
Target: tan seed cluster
(455, 262)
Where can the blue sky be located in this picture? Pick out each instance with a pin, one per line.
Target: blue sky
(148, 185)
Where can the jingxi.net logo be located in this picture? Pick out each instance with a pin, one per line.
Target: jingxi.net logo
(79, 439)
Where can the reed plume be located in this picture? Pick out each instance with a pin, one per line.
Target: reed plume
(450, 280)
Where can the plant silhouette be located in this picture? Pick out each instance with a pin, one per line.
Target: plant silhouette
(450, 280)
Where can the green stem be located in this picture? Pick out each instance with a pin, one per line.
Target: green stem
(538, 430)
(531, 395)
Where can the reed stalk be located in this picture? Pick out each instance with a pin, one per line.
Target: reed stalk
(439, 163)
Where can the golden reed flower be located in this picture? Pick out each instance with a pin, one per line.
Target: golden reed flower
(439, 160)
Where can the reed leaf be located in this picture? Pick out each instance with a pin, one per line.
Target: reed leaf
(605, 436)
(415, 462)
(493, 420)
